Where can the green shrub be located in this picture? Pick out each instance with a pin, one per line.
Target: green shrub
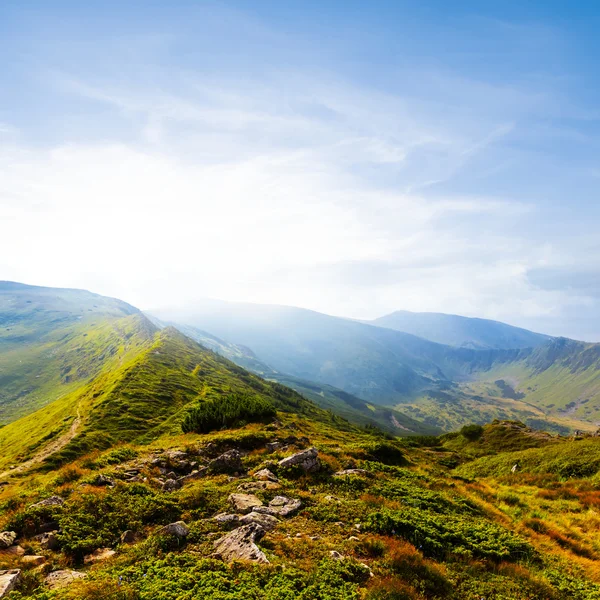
(232, 410)
(472, 432)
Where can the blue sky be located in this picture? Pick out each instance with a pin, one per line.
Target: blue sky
(349, 157)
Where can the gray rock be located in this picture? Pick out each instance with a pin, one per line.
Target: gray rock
(228, 462)
(227, 520)
(8, 581)
(33, 560)
(243, 503)
(265, 475)
(255, 486)
(280, 506)
(102, 480)
(356, 472)
(127, 537)
(178, 529)
(7, 539)
(240, 544)
(196, 474)
(98, 556)
(170, 485)
(307, 460)
(60, 579)
(267, 522)
(52, 501)
(49, 540)
(335, 555)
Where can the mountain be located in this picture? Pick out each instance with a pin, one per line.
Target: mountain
(441, 386)
(464, 332)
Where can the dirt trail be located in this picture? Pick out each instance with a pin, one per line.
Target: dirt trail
(46, 451)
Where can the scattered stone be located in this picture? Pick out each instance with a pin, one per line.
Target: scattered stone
(298, 535)
(178, 529)
(306, 460)
(356, 472)
(127, 537)
(102, 480)
(357, 526)
(228, 462)
(353, 538)
(335, 555)
(332, 499)
(8, 581)
(267, 522)
(265, 475)
(195, 474)
(256, 486)
(52, 501)
(280, 506)
(176, 455)
(13, 551)
(7, 539)
(240, 544)
(48, 540)
(170, 485)
(227, 520)
(33, 560)
(60, 579)
(244, 503)
(98, 555)
(314, 538)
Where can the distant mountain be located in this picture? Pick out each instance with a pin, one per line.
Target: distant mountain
(463, 332)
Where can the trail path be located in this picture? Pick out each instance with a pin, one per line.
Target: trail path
(46, 451)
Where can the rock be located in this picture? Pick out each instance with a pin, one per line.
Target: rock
(306, 460)
(265, 475)
(48, 526)
(48, 541)
(335, 555)
(244, 503)
(195, 474)
(240, 544)
(170, 485)
(227, 520)
(280, 506)
(52, 501)
(13, 551)
(228, 462)
(7, 539)
(356, 472)
(98, 555)
(102, 480)
(272, 446)
(127, 537)
(176, 455)
(353, 538)
(8, 581)
(255, 486)
(33, 560)
(60, 579)
(267, 522)
(178, 529)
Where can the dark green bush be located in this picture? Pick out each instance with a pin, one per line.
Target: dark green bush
(233, 410)
(472, 432)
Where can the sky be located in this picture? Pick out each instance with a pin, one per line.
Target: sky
(349, 157)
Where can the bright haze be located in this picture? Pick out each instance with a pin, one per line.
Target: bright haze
(349, 157)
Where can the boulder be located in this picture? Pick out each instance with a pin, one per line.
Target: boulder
(307, 460)
(195, 474)
(267, 522)
(227, 520)
(265, 475)
(171, 485)
(60, 579)
(127, 537)
(280, 506)
(8, 581)
(103, 480)
(178, 529)
(13, 551)
(240, 544)
(48, 541)
(228, 462)
(7, 539)
(335, 555)
(355, 472)
(33, 560)
(98, 556)
(243, 503)
(52, 501)
(255, 486)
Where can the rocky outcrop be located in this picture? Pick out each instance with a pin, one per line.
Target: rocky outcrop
(280, 506)
(267, 522)
(243, 503)
(48, 502)
(307, 460)
(98, 556)
(60, 579)
(228, 462)
(7, 539)
(178, 529)
(265, 475)
(8, 581)
(240, 544)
